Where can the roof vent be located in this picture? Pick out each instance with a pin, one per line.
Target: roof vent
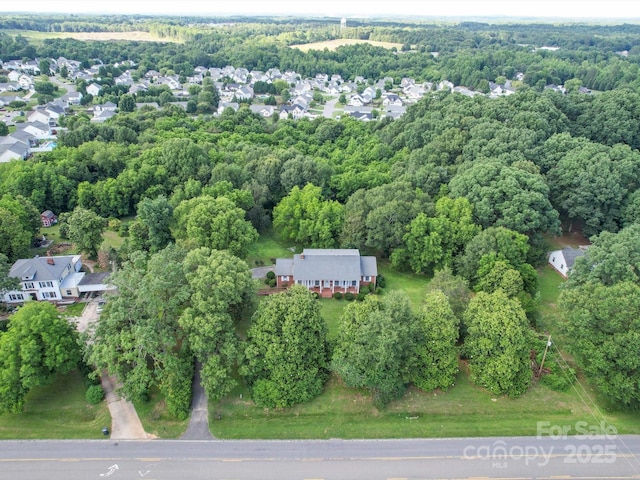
(51, 261)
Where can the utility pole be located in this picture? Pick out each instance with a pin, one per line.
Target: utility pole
(544, 356)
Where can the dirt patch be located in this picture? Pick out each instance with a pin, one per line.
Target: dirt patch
(59, 248)
(334, 44)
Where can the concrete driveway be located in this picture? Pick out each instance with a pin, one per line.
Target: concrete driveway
(125, 423)
(89, 316)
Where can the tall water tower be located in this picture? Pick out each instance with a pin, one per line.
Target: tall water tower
(343, 24)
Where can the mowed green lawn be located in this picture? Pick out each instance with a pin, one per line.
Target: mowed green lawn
(463, 410)
(57, 411)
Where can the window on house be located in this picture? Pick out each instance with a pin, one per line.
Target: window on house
(45, 284)
(28, 285)
(337, 283)
(367, 279)
(327, 283)
(299, 282)
(15, 297)
(562, 267)
(317, 283)
(69, 292)
(284, 278)
(354, 283)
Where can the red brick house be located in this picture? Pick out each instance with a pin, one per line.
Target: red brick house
(326, 271)
(48, 218)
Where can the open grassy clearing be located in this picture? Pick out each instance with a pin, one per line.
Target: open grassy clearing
(37, 38)
(464, 410)
(334, 44)
(56, 411)
(155, 418)
(267, 248)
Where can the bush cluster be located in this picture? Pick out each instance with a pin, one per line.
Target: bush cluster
(95, 394)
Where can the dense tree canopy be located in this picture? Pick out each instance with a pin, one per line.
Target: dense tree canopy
(603, 326)
(287, 355)
(436, 362)
(612, 258)
(375, 345)
(138, 336)
(215, 223)
(223, 293)
(497, 344)
(305, 218)
(513, 196)
(39, 345)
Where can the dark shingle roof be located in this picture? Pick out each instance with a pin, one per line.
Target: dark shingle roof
(327, 264)
(570, 255)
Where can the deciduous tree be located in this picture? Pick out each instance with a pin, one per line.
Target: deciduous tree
(497, 344)
(375, 346)
(603, 327)
(223, 293)
(85, 230)
(287, 351)
(215, 223)
(38, 345)
(436, 353)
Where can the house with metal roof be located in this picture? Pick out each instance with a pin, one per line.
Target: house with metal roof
(326, 271)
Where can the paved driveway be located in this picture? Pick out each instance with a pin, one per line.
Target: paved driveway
(261, 272)
(125, 423)
(89, 316)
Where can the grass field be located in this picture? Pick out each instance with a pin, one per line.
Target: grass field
(56, 411)
(334, 44)
(265, 249)
(37, 38)
(464, 410)
(155, 419)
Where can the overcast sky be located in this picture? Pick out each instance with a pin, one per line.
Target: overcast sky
(578, 9)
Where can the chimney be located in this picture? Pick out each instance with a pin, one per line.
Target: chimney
(302, 256)
(51, 261)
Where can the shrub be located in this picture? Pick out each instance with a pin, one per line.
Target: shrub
(338, 295)
(372, 287)
(272, 282)
(95, 394)
(349, 296)
(361, 296)
(380, 281)
(114, 224)
(271, 275)
(273, 261)
(560, 379)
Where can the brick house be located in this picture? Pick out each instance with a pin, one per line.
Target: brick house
(326, 271)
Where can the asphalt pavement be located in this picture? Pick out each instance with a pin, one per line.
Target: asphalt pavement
(605, 457)
(198, 428)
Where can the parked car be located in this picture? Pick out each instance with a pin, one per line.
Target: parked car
(100, 306)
